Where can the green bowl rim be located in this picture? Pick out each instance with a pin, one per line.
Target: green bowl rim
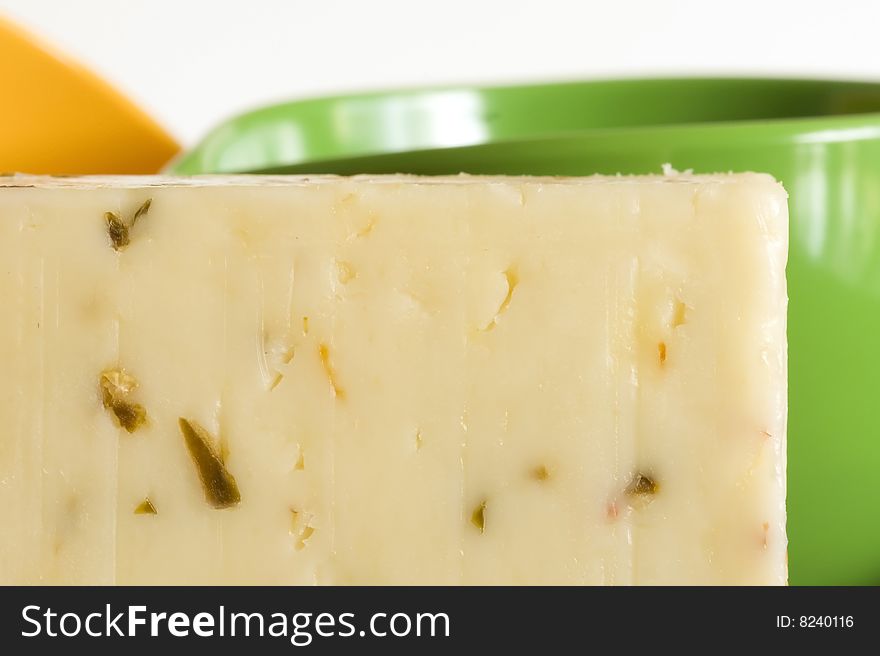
(784, 127)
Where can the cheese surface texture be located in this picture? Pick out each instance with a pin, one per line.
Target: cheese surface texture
(393, 380)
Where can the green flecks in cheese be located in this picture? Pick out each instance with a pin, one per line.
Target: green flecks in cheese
(146, 507)
(141, 211)
(497, 342)
(221, 490)
(116, 389)
(642, 486)
(478, 517)
(118, 230)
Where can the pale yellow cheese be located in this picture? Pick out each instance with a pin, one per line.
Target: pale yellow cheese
(450, 381)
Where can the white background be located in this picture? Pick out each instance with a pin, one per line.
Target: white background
(191, 63)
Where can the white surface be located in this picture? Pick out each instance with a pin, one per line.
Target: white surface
(192, 63)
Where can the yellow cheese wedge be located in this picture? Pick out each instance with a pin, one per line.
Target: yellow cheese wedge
(56, 117)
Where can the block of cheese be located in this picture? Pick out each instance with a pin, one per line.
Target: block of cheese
(393, 380)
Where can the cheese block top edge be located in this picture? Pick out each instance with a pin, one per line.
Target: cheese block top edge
(19, 180)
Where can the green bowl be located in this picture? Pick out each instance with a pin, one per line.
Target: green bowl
(820, 138)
